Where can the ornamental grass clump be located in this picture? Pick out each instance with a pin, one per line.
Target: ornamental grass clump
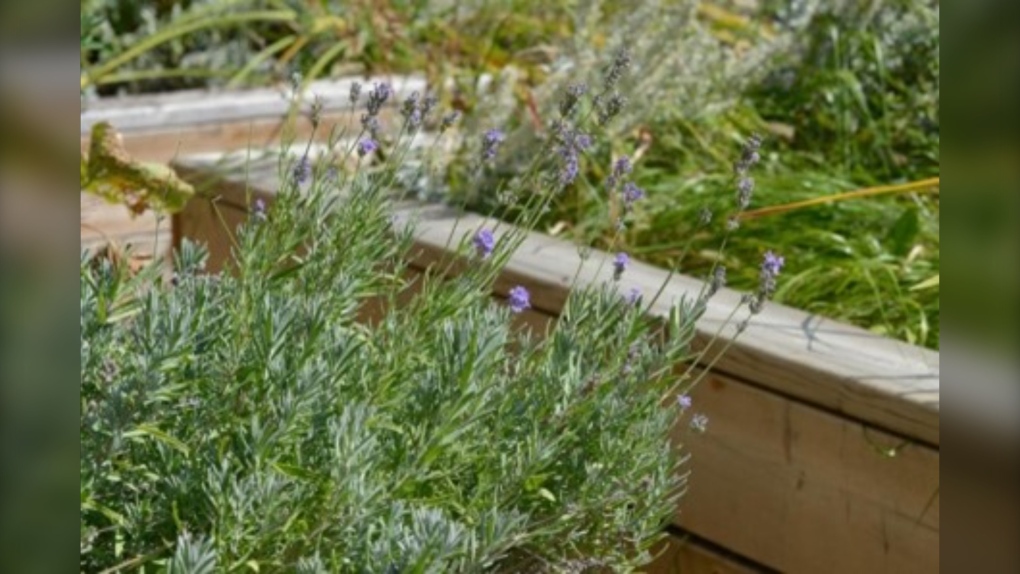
(315, 409)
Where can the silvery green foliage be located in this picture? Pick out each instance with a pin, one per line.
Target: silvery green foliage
(192, 556)
(289, 415)
(681, 66)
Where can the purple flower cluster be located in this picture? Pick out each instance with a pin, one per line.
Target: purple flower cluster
(699, 423)
(259, 210)
(367, 146)
(631, 194)
(571, 99)
(519, 299)
(633, 296)
(771, 265)
(621, 61)
(718, 280)
(415, 110)
(484, 242)
(745, 183)
(302, 170)
(377, 96)
(621, 169)
(684, 401)
(491, 140)
(620, 264)
(571, 142)
(355, 93)
(411, 111)
(611, 108)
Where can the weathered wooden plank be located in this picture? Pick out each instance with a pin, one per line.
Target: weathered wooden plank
(104, 223)
(167, 126)
(198, 107)
(681, 556)
(802, 490)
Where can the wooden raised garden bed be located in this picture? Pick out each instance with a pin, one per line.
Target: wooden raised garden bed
(822, 454)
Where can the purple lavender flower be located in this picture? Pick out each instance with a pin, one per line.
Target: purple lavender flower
(633, 296)
(484, 242)
(749, 156)
(615, 71)
(520, 299)
(621, 168)
(569, 170)
(684, 401)
(718, 280)
(367, 146)
(428, 104)
(412, 111)
(371, 124)
(573, 95)
(571, 143)
(620, 263)
(259, 210)
(377, 97)
(745, 188)
(611, 109)
(699, 422)
(771, 265)
(355, 93)
(631, 193)
(491, 141)
(302, 170)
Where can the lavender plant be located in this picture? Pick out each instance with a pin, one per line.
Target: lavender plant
(265, 419)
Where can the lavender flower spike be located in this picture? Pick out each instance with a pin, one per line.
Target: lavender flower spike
(620, 264)
(633, 296)
(632, 193)
(491, 141)
(377, 97)
(259, 210)
(484, 242)
(772, 263)
(699, 423)
(684, 402)
(520, 299)
(302, 170)
(367, 146)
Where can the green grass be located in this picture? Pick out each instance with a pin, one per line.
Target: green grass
(862, 104)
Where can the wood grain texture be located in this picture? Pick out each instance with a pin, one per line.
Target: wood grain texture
(200, 107)
(167, 126)
(104, 223)
(679, 556)
(794, 487)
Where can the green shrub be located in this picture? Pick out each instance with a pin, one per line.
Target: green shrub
(253, 420)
